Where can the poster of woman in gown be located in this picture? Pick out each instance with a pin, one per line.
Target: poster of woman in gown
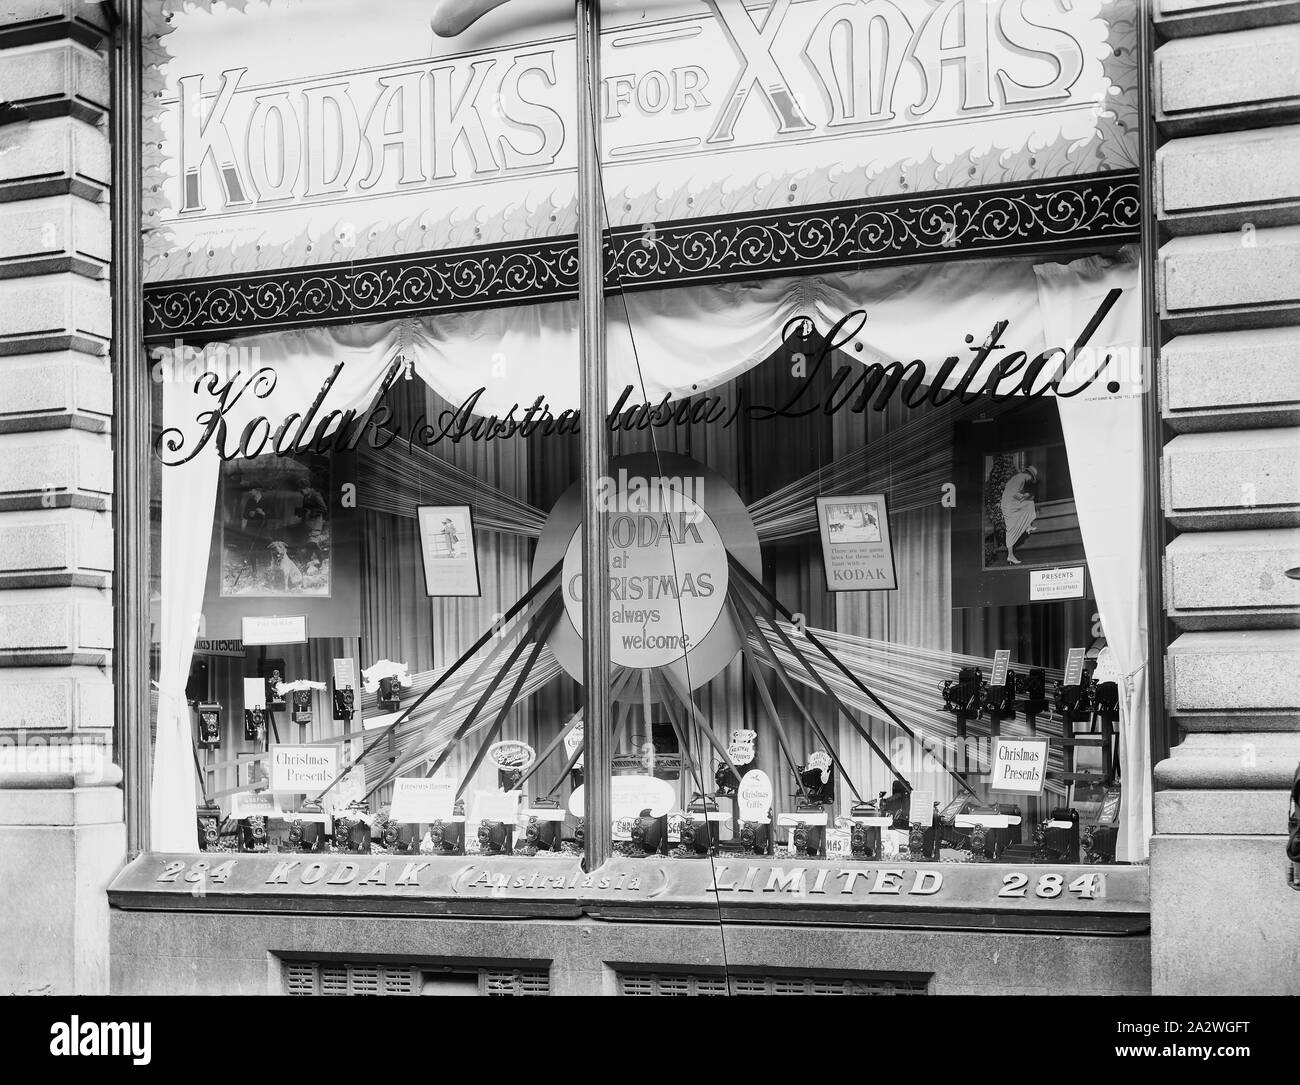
(1020, 518)
(1018, 513)
(1011, 492)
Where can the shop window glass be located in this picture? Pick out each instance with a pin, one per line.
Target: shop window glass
(873, 523)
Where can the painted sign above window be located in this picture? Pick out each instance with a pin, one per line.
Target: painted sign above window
(281, 134)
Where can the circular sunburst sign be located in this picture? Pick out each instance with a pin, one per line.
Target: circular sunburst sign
(671, 524)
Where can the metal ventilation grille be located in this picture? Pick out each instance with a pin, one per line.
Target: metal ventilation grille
(827, 985)
(514, 981)
(685, 983)
(350, 978)
(670, 983)
(366, 978)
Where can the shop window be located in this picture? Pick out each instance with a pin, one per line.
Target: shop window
(874, 502)
(836, 631)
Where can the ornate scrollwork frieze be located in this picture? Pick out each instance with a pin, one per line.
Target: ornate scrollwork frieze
(1023, 218)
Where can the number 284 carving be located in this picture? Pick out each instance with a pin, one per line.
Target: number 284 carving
(1087, 886)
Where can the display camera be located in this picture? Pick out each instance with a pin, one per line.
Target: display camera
(815, 783)
(964, 696)
(999, 701)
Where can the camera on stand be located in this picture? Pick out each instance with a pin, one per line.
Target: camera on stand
(307, 827)
(1100, 839)
(252, 833)
(448, 837)
(1074, 701)
(209, 717)
(494, 837)
(389, 696)
(209, 820)
(1105, 714)
(1033, 686)
(868, 818)
(963, 698)
(999, 702)
(756, 838)
(543, 829)
(814, 792)
(352, 828)
(807, 825)
(401, 837)
(816, 781)
(725, 779)
(1095, 706)
(699, 828)
(255, 725)
(345, 703)
(1058, 840)
(649, 835)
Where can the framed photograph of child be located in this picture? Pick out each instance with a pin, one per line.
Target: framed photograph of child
(448, 551)
(285, 542)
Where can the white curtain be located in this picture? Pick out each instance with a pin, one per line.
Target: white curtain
(189, 495)
(675, 343)
(1103, 440)
(300, 360)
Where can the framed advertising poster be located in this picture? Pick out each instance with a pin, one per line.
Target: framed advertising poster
(1015, 530)
(856, 549)
(447, 548)
(284, 542)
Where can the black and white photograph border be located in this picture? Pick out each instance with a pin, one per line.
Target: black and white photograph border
(683, 196)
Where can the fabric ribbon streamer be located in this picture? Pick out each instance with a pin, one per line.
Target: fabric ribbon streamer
(401, 477)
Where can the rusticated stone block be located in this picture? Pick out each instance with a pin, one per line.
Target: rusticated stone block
(1251, 760)
(1233, 579)
(55, 390)
(1251, 678)
(15, 13)
(1228, 80)
(54, 540)
(1230, 380)
(1220, 811)
(1229, 181)
(56, 860)
(54, 620)
(1222, 917)
(1184, 18)
(55, 699)
(1245, 478)
(54, 312)
(1224, 281)
(56, 78)
(52, 157)
(47, 464)
(53, 234)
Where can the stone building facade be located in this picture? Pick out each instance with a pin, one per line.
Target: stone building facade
(1225, 199)
(1226, 193)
